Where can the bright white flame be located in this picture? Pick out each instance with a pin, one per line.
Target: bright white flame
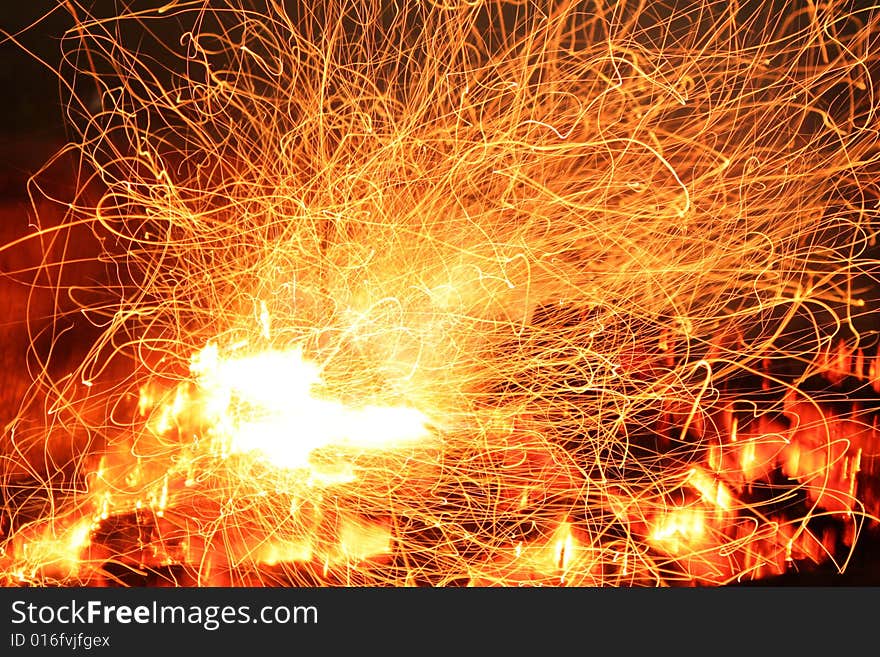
(266, 403)
(678, 527)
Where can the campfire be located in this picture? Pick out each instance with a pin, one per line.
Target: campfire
(454, 293)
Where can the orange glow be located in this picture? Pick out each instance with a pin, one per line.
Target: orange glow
(678, 529)
(481, 292)
(713, 491)
(359, 541)
(49, 555)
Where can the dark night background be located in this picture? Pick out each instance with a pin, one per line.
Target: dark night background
(31, 114)
(32, 123)
(32, 128)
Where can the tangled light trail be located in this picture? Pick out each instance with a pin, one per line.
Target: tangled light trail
(469, 292)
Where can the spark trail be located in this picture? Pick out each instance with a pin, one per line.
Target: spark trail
(465, 292)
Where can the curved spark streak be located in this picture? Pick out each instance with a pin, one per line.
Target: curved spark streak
(491, 294)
